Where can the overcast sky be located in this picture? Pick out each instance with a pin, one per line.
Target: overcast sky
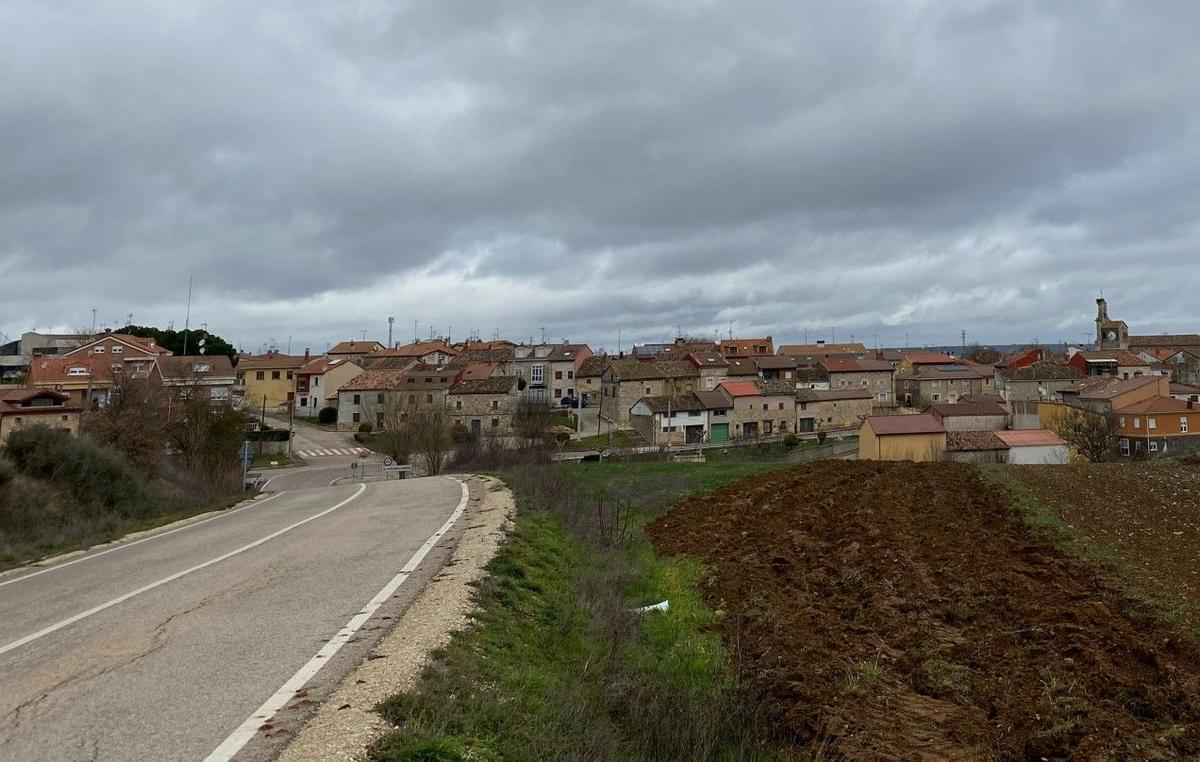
(885, 168)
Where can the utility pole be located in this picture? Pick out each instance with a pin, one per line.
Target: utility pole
(93, 321)
(391, 322)
(187, 318)
(543, 334)
(964, 342)
(416, 336)
(289, 345)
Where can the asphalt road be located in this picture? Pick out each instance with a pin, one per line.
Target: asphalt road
(162, 649)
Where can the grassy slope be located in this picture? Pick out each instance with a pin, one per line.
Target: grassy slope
(556, 664)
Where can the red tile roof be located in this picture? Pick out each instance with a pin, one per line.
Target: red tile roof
(740, 388)
(354, 347)
(1158, 405)
(1030, 438)
(889, 425)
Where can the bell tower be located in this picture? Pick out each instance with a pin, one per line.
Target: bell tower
(1110, 334)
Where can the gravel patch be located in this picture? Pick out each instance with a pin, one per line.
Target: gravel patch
(346, 724)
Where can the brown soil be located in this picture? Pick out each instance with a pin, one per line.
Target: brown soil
(1148, 514)
(904, 611)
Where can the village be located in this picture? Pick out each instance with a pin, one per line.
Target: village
(1026, 406)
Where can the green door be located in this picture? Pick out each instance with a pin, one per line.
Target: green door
(719, 432)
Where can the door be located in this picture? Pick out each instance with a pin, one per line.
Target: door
(693, 434)
(719, 432)
(750, 430)
(476, 426)
(804, 424)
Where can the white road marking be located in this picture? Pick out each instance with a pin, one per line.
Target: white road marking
(240, 737)
(160, 582)
(56, 567)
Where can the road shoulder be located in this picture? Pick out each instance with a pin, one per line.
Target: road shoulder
(346, 723)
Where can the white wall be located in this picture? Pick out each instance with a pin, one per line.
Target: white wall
(1039, 455)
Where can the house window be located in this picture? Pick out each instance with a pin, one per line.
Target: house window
(458, 404)
(570, 374)
(767, 427)
(1137, 423)
(200, 367)
(258, 375)
(316, 380)
(304, 402)
(356, 417)
(77, 370)
(781, 406)
(937, 397)
(98, 350)
(557, 392)
(357, 401)
(429, 398)
(1183, 424)
(118, 349)
(537, 374)
(558, 375)
(290, 375)
(495, 404)
(1152, 423)
(379, 398)
(883, 396)
(274, 375)
(379, 420)
(1153, 445)
(1121, 421)
(222, 393)
(495, 423)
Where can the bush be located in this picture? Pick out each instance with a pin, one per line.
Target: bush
(791, 441)
(94, 476)
(7, 472)
(459, 434)
(327, 416)
(365, 427)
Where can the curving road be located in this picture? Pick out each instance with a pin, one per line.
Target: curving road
(176, 645)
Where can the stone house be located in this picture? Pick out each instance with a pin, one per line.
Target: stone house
(927, 384)
(969, 416)
(712, 368)
(763, 347)
(760, 408)
(23, 406)
(1024, 387)
(975, 447)
(385, 397)
(589, 378)
(1185, 366)
(548, 370)
(832, 409)
(626, 381)
(484, 405)
(811, 354)
(876, 376)
(670, 419)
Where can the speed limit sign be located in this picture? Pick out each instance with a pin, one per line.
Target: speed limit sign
(388, 462)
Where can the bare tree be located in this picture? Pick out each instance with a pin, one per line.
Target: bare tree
(393, 434)
(430, 429)
(982, 355)
(133, 421)
(532, 422)
(1092, 434)
(207, 437)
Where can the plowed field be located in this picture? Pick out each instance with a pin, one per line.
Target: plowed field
(904, 611)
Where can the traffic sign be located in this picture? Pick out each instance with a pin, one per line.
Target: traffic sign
(388, 462)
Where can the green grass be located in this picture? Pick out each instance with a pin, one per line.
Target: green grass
(620, 438)
(556, 663)
(311, 420)
(562, 418)
(274, 461)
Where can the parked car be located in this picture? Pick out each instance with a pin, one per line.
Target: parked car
(569, 401)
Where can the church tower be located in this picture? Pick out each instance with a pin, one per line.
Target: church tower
(1110, 334)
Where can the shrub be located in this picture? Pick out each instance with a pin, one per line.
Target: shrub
(7, 472)
(365, 427)
(821, 437)
(459, 434)
(791, 441)
(93, 475)
(327, 416)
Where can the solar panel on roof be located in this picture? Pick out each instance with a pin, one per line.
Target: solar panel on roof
(949, 368)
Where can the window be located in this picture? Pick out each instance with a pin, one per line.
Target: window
(495, 404)
(304, 402)
(412, 399)
(458, 404)
(118, 349)
(379, 420)
(1183, 424)
(355, 417)
(77, 370)
(1153, 445)
(781, 406)
(767, 427)
(274, 375)
(883, 396)
(357, 401)
(1137, 423)
(1152, 423)
(558, 375)
(1121, 421)
(495, 423)
(379, 398)
(316, 380)
(537, 374)
(557, 391)
(570, 374)
(765, 406)
(937, 397)
(98, 350)
(258, 375)
(200, 367)
(290, 375)
(222, 393)
(429, 398)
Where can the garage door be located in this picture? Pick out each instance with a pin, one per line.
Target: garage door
(719, 432)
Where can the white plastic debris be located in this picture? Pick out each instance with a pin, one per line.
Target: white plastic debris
(663, 606)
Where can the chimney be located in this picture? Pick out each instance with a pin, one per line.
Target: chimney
(306, 353)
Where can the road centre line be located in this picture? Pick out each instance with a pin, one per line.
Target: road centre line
(171, 578)
(122, 546)
(245, 732)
